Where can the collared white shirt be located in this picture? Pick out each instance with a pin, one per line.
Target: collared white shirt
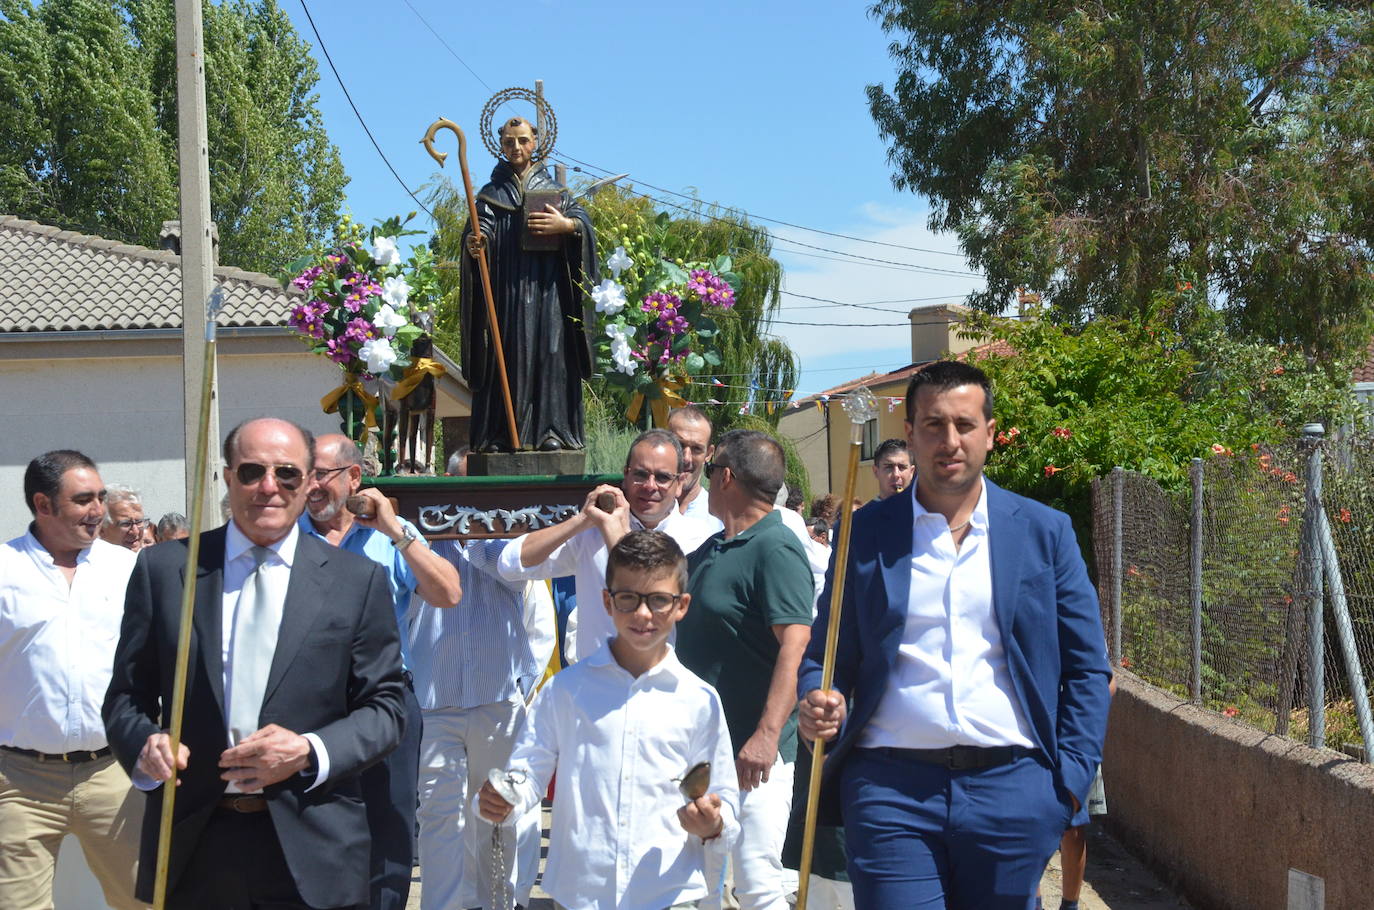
(699, 511)
(583, 556)
(57, 643)
(950, 685)
(238, 563)
(617, 743)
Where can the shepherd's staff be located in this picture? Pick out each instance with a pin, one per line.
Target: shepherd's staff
(476, 228)
(861, 407)
(188, 601)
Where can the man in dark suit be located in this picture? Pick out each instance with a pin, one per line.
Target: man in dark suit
(971, 654)
(294, 686)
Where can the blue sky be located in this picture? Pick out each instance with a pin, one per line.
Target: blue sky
(754, 104)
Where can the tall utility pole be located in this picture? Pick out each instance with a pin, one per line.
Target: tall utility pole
(197, 251)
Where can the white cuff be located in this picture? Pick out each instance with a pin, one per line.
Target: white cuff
(321, 761)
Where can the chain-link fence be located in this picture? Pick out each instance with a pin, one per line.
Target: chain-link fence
(1252, 593)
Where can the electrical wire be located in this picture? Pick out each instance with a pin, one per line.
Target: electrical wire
(436, 34)
(330, 60)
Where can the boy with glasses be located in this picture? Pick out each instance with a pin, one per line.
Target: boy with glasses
(626, 730)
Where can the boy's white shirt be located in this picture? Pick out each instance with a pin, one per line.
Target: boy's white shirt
(618, 742)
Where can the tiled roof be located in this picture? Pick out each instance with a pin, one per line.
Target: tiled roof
(53, 280)
(997, 348)
(1365, 371)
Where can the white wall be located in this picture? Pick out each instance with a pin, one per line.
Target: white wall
(126, 414)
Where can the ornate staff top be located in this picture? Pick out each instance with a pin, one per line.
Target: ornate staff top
(543, 145)
(861, 407)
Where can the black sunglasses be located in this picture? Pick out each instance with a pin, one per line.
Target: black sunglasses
(288, 475)
(711, 467)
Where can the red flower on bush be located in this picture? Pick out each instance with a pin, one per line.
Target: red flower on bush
(1061, 432)
(1125, 663)
(1231, 711)
(1051, 470)
(1290, 477)
(1283, 515)
(1346, 517)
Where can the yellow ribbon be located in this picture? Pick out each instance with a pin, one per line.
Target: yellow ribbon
(667, 399)
(417, 371)
(330, 402)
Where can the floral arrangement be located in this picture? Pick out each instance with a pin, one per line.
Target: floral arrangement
(655, 324)
(366, 306)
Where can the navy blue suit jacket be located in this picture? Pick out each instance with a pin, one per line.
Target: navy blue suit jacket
(1046, 610)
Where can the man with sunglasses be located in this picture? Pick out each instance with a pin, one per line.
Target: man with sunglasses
(294, 687)
(646, 498)
(61, 598)
(411, 567)
(750, 620)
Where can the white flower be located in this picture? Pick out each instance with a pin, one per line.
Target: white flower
(384, 251)
(396, 291)
(619, 262)
(388, 320)
(378, 353)
(609, 297)
(620, 348)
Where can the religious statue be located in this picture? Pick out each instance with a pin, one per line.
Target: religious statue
(541, 254)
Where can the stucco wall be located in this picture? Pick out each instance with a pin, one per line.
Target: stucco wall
(1226, 810)
(125, 412)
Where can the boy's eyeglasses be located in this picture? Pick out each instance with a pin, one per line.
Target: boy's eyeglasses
(629, 601)
(288, 475)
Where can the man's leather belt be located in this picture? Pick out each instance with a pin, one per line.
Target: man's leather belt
(244, 802)
(961, 758)
(69, 757)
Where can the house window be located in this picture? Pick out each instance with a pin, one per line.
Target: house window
(870, 441)
(1364, 396)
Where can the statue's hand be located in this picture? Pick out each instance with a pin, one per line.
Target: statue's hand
(476, 241)
(551, 221)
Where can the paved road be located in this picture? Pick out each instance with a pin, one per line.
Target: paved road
(1115, 881)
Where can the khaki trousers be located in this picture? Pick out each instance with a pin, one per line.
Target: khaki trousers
(42, 802)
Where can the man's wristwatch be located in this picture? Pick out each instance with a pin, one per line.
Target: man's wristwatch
(408, 536)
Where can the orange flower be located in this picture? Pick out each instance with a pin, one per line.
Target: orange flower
(1254, 446)
(1003, 439)
(1133, 571)
(1231, 711)
(1346, 517)
(1061, 432)
(1264, 460)
(1276, 371)
(1051, 470)
(1283, 515)
(1290, 477)
(1125, 663)
(1218, 448)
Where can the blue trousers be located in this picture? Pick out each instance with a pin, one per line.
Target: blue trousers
(390, 790)
(923, 837)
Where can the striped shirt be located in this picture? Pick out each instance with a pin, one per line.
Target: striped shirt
(478, 652)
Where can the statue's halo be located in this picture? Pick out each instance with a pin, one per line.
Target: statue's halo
(543, 144)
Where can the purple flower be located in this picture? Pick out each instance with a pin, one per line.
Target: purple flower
(359, 330)
(353, 302)
(305, 279)
(337, 350)
(659, 301)
(711, 289)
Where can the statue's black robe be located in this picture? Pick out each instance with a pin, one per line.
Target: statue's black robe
(540, 305)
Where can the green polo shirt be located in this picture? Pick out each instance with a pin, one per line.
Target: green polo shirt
(740, 589)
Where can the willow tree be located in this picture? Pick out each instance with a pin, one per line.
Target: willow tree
(1101, 152)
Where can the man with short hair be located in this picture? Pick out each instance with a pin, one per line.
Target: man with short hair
(295, 687)
(749, 624)
(411, 567)
(692, 428)
(61, 599)
(173, 526)
(892, 467)
(971, 646)
(124, 521)
(646, 498)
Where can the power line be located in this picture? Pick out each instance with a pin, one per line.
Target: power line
(800, 227)
(826, 303)
(433, 32)
(324, 50)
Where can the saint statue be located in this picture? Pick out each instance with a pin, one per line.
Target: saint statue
(541, 252)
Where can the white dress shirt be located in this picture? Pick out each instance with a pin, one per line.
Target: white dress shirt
(618, 742)
(57, 644)
(950, 685)
(583, 556)
(238, 564)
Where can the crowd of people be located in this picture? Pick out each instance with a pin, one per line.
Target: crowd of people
(358, 698)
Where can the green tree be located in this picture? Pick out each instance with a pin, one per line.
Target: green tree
(1101, 152)
(79, 143)
(88, 131)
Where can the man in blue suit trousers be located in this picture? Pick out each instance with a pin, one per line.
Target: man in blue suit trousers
(970, 694)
